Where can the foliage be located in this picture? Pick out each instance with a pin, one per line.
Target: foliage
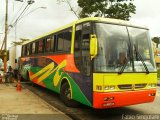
(22, 40)
(119, 9)
(156, 40)
(107, 8)
(158, 73)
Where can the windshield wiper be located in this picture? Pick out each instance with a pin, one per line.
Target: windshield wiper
(123, 67)
(141, 59)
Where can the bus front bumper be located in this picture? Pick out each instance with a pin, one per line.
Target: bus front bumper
(119, 99)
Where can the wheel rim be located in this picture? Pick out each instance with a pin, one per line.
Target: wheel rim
(67, 93)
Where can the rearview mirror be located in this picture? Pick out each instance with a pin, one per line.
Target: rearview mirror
(93, 46)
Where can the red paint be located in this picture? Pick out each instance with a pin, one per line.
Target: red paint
(122, 98)
(70, 61)
(41, 84)
(70, 67)
(35, 80)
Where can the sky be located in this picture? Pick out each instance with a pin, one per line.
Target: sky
(148, 14)
(38, 20)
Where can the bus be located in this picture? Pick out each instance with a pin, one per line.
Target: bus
(99, 62)
(157, 57)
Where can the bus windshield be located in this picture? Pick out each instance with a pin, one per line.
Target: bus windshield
(123, 47)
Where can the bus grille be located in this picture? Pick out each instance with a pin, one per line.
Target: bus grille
(138, 86)
(124, 87)
(132, 86)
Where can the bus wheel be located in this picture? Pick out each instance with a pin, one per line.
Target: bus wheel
(65, 94)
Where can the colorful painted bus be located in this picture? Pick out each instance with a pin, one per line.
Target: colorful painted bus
(99, 62)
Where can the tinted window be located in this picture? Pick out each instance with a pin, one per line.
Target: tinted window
(40, 46)
(23, 50)
(60, 42)
(64, 40)
(33, 48)
(52, 42)
(48, 44)
(82, 42)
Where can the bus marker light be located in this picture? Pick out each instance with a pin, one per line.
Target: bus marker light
(151, 94)
(109, 87)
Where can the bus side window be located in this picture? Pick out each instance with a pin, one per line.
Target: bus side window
(36, 49)
(23, 51)
(33, 48)
(67, 40)
(60, 41)
(53, 39)
(26, 50)
(40, 46)
(30, 48)
(64, 40)
(48, 44)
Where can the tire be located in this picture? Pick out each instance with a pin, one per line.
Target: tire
(65, 94)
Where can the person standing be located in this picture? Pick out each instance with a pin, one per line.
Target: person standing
(9, 74)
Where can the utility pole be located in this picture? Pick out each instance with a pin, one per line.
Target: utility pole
(6, 32)
(5, 38)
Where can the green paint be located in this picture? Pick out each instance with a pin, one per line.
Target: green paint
(76, 92)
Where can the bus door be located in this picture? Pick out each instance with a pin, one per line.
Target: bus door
(82, 58)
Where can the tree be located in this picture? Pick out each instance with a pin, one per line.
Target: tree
(22, 40)
(121, 9)
(156, 40)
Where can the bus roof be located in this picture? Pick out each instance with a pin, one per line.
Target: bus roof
(111, 21)
(96, 19)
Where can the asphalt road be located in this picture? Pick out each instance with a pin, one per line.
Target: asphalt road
(134, 112)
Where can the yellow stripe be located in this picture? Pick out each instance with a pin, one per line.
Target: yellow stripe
(48, 70)
(45, 71)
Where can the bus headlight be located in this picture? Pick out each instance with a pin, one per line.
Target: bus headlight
(107, 87)
(152, 85)
(112, 87)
